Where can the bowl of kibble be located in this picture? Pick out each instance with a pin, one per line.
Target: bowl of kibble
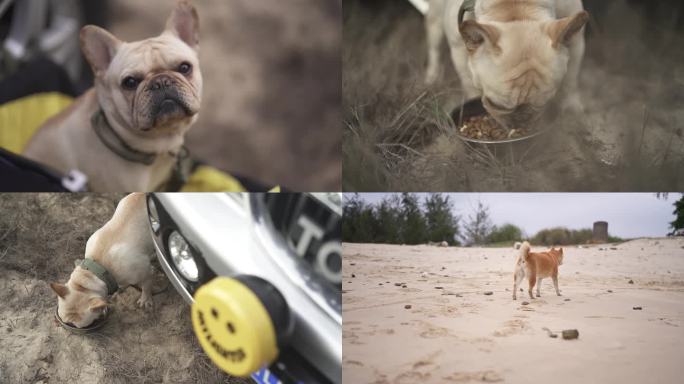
(475, 125)
(97, 324)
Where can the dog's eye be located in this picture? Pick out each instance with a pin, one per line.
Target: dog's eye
(130, 83)
(185, 68)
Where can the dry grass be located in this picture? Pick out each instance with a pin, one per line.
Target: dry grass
(40, 237)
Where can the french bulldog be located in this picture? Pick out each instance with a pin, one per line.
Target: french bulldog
(517, 56)
(127, 133)
(536, 266)
(124, 248)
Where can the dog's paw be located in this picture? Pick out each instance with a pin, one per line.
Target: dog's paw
(145, 303)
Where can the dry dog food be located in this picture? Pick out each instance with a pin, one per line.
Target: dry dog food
(484, 127)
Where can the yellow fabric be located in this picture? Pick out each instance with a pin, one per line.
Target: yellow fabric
(21, 118)
(208, 179)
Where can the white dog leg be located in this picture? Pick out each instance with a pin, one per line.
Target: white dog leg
(518, 277)
(570, 98)
(539, 280)
(435, 38)
(145, 300)
(555, 284)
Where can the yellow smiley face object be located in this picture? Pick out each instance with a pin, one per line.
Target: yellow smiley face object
(233, 327)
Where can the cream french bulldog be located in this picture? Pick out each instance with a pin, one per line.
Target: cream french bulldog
(127, 132)
(122, 251)
(516, 55)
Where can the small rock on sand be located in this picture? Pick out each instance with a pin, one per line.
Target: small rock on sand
(525, 303)
(631, 282)
(353, 275)
(569, 334)
(637, 308)
(610, 291)
(352, 263)
(489, 293)
(407, 306)
(567, 300)
(397, 284)
(439, 287)
(403, 286)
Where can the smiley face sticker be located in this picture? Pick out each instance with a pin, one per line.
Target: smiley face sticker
(233, 327)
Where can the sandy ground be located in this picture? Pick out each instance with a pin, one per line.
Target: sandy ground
(453, 333)
(271, 104)
(40, 237)
(398, 136)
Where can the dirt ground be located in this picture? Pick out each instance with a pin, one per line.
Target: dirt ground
(40, 237)
(454, 320)
(271, 103)
(398, 135)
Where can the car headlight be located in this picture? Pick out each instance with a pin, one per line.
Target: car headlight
(182, 257)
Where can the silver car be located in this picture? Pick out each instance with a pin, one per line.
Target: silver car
(283, 249)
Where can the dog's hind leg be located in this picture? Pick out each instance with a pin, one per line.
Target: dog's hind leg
(532, 280)
(555, 284)
(539, 280)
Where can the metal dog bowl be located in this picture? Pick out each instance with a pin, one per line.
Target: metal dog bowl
(474, 107)
(97, 324)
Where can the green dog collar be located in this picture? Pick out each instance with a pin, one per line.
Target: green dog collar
(101, 272)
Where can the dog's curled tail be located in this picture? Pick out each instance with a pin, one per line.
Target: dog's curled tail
(524, 250)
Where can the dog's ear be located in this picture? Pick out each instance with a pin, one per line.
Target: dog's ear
(99, 47)
(184, 24)
(60, 289)
(561, 31)
(97, 303)
(475, 34)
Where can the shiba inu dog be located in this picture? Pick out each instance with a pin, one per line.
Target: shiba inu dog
(536, 266)
(117, 255)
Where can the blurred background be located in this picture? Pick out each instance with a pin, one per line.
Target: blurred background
(271, 103)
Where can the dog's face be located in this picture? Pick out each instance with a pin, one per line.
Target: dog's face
(519, 66)
(152, 87)
(78, 307)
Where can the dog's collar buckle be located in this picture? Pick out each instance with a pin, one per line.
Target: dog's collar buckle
(115, 143)
(101, 272)
(466, 6)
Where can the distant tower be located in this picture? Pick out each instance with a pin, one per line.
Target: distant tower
(600, 234)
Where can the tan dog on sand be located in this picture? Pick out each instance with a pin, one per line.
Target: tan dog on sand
(124, 249)
(536, 266)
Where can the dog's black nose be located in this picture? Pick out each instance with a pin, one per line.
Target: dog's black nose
(160, 82)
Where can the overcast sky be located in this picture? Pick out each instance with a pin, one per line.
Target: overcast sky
(628, 215)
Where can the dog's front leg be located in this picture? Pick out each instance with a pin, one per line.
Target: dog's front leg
(518, 277)
(145, 300)
(434, 29)
(539, 280)
(570, 97)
